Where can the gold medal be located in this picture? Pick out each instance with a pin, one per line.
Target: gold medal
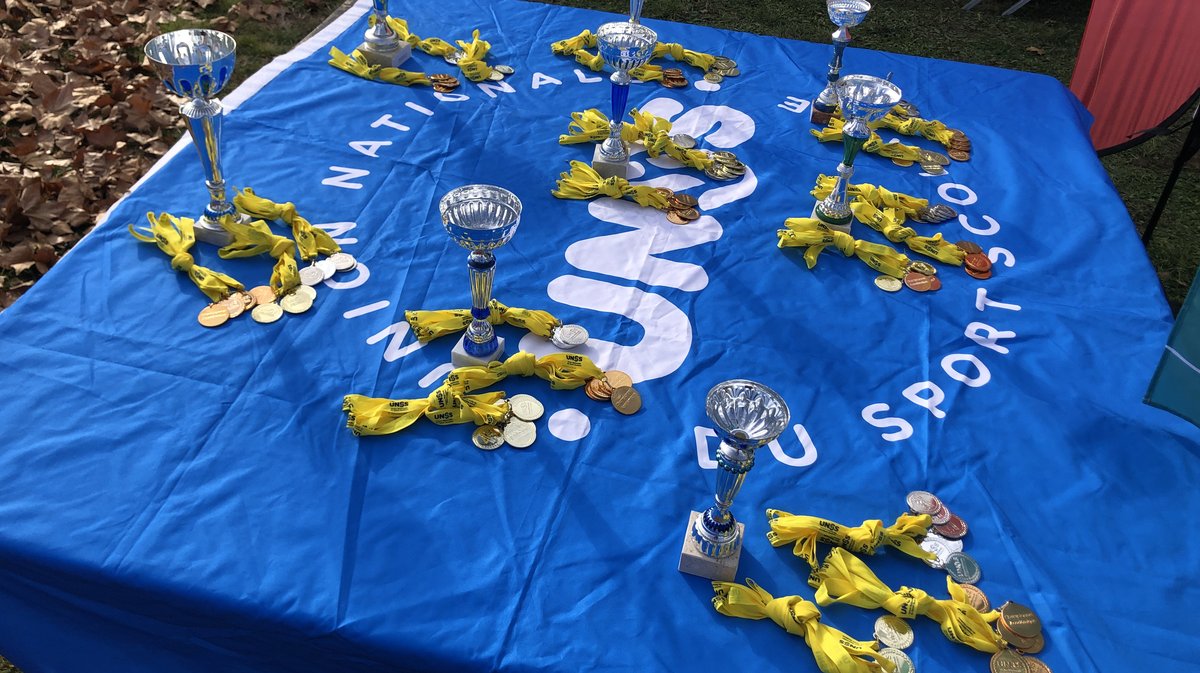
(213, 315)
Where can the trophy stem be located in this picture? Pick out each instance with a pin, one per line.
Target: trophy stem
(480, 338)
(635, 10)
(716, 532)
(613, 149)
(826, 102)
(204, 121)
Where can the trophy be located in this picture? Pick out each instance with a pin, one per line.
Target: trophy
(624, 45)
(381, 46)
(747, 415)
(844, 14)
(480, 218)
(864, 99)
(197, 63)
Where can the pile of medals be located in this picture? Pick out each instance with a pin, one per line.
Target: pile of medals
(681, 208)
(569, 336)
(615, 387)
(976, 263)
(933, 163)
(960, 146)
(721, 68)
(443, 83)
(517, 429)
(1019, 627)
(673, 78)
(896, 636)
(945, 542)
(726, 166)
(261, 301)
(935, 214)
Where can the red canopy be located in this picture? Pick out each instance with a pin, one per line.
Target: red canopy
(1139, 62)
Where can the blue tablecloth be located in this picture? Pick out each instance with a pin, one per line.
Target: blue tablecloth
(180, 499)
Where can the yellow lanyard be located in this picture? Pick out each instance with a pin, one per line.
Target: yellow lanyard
(806, 531)
(874, 144)
(175, 237)
(450, 402)
(583, 182)
(846, 579)
(577, 46)
(310, 240)
(473, 63)
(834, 651)
(254, 238)
(429, 325)
(652, 131)
(806, 232)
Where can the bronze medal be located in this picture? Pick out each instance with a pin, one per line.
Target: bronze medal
(213, 315)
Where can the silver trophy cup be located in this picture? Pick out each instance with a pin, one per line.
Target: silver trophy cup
(381, 45)
(864, 99)
(197, 63)
(747, 415)
(624, 45)
(480, 218)
(844, 14)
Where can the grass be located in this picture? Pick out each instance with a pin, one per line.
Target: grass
(931, 28)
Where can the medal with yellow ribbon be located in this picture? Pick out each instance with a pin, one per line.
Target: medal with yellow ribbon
(814, 236)
(834, 651)
(846, 579)
(577, 47)
(175, 236)
(652, 131)
(430, 325)
(874, 143)
(584, 183)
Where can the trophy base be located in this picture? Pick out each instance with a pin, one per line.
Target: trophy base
(693, 562)
(459, 357)
(836, 225)
(608, 168)
(209, 231)
(385, 58)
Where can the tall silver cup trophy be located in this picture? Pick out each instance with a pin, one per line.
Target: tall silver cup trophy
(845, 14)
(197, 63)
(864, 99)
(480, 218)
(381, 45)
(747, 415)
(624, 45)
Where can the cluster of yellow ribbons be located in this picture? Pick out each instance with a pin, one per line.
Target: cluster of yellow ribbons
(578, 47)
(310, 241)
(880, 197)
(175, 237)
(429, 325)
(810, 233)
(911, 126)
(885, 211)
(450, 402)
(652, 131)
(807, 531)
(846, 579)
(254, 238)
(473, 63)
(874, 144)
(834, 651)
(583, 182)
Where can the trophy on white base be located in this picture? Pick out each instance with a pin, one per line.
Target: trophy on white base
(747, 415)
(381, 45)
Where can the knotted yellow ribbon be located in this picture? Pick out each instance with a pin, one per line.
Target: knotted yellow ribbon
(310, 240)
(356, 64)
(807, 531)
(379, 416)
(911, 126)
(846, 579)
(582, 182)
(251, 239)
(888, 223)
(429, 325)
(807, 232)
(652, 131)
(874, 143)
(880, 197)
(688, 56)
(175, 236)
(450, 402)
(474, 60)
(834, 651)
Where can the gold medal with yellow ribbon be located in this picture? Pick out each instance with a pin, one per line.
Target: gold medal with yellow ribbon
(815, 236)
